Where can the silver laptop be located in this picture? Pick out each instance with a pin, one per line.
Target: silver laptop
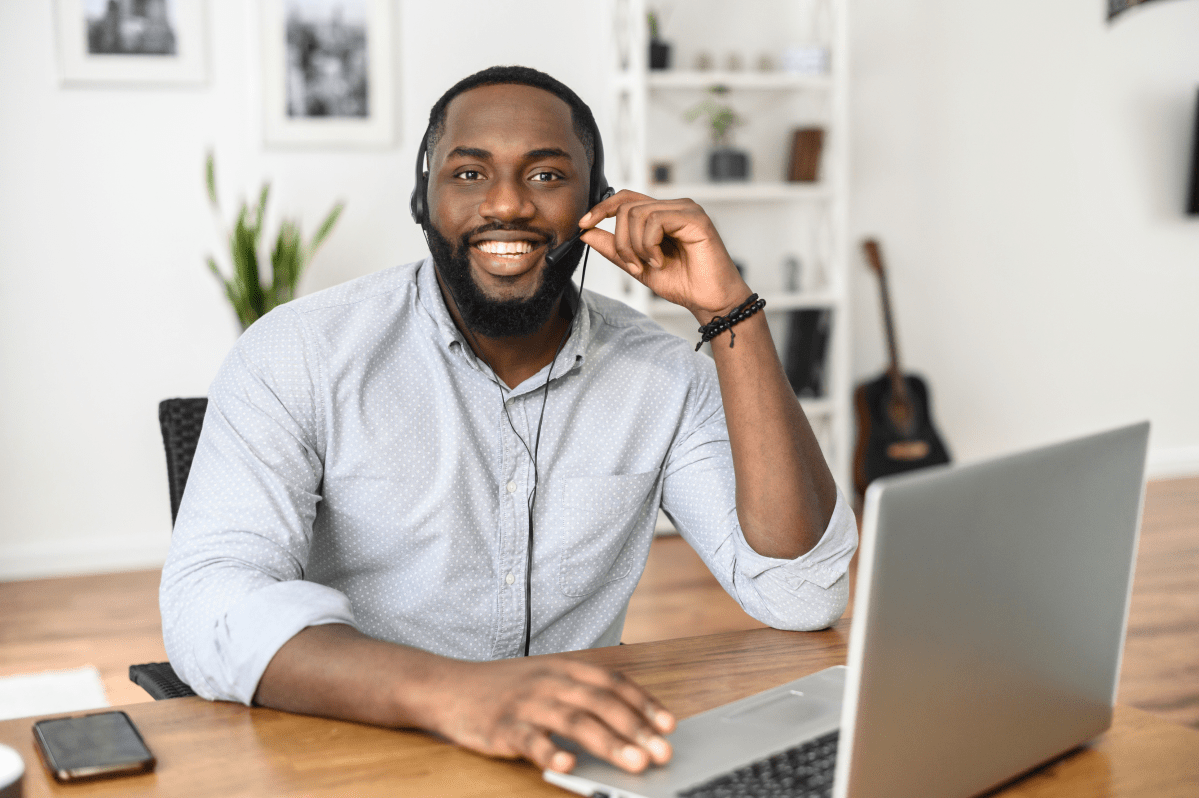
(989, 619)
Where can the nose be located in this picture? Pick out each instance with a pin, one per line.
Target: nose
(507, 199)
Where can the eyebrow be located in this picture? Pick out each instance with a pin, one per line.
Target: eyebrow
(548, 152)
(475, 152)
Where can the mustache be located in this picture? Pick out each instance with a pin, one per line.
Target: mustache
(492, 227)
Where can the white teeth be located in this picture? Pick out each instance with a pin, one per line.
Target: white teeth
(505, 247)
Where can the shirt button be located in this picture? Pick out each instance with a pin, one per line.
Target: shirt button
(512, 488)
(509, 578)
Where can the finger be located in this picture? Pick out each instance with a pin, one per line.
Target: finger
(624, 240)
(638, 214)
(653, 221)
(574, 722)
(608, 208)
(611, 707)
(653, 233)
(536, 746)
(604, 243)
(657, 715)
(631, 219)
(625, 718)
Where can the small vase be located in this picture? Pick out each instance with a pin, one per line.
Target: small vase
(659, 54)
(728, 164)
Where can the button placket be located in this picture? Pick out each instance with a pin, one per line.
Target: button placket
(513, 520)
(520, 485)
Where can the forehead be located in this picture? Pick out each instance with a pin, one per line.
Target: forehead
(522, 116)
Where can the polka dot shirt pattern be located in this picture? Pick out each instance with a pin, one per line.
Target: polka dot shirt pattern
(359, 465)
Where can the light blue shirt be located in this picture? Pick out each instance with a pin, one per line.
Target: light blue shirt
(357, 466)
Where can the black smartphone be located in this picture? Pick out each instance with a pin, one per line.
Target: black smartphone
(92, 746)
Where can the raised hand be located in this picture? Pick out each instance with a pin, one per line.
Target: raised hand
(672, 247)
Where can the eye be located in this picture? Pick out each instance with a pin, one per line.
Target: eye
(468, 174)
(545, 176)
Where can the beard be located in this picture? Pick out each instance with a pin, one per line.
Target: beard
(499, 318)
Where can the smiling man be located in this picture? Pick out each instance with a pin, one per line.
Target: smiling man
(407, 483)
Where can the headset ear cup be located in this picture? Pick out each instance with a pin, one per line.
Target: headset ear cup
(601, 189)
(419, 193)
(420, 186)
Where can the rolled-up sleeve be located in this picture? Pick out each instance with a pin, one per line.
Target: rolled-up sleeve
(233, 589)
(699, 496)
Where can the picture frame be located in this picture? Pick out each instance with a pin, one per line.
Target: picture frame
(328, 73)
(131, 42)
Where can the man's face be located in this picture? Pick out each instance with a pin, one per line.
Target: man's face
(508, 180)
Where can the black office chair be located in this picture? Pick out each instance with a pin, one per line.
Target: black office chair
(181, 421)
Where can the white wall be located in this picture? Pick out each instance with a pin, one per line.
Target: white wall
(1024, 166)
(106, 306)
(1021, 161)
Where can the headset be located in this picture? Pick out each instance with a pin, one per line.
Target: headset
(598, 191)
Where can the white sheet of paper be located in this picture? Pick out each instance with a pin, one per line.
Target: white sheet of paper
(51, 691)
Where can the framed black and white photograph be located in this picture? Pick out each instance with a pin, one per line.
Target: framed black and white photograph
(131, 41)
(327, 72)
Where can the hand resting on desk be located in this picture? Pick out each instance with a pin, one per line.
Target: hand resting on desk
(505, 708)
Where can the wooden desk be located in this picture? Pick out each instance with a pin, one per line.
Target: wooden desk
(207, 749)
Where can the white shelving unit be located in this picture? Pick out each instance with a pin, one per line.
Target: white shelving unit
(765, 220)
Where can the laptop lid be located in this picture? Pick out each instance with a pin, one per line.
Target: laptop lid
(989, 617)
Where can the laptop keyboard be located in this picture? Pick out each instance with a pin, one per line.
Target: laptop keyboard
(805, 771)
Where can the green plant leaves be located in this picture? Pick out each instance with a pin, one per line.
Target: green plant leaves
(325, 227)
(721, 117)
(287, 262)
(210, 179)
(249, 297)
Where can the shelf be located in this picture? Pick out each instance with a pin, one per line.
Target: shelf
(767, 220)
(774, 301)
(694, 79)
(743, 192)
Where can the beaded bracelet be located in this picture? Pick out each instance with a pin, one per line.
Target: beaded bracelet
(721, 323)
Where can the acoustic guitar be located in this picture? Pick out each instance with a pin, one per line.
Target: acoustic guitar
(895, 426)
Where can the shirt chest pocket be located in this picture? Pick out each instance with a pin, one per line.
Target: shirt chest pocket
(599, 518)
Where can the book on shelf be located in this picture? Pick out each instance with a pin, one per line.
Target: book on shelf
(806, 145)
(806, 362)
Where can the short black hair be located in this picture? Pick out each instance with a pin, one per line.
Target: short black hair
(580, 114)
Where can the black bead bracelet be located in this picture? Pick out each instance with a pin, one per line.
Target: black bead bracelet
(721, 323)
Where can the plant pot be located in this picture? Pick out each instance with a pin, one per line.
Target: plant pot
(659, 54)
(728, 164)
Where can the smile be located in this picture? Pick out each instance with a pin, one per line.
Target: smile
(506, 249)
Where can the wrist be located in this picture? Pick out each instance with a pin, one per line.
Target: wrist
(723, 323)
(721, 302)
(421, 694)
(706, 314)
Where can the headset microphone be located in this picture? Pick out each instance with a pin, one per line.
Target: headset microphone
(559, 252)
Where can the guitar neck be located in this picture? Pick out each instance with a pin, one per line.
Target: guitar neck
(874, 255)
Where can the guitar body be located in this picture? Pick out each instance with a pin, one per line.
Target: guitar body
(895, 422)
(885, 447)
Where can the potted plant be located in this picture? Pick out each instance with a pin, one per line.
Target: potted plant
(725, 162)
(246, 293)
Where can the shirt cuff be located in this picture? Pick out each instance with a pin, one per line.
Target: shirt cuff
(823, 565)
(252, 632)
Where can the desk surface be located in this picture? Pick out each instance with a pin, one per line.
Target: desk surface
(229, 750)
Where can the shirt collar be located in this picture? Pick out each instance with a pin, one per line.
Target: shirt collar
(428, 294)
